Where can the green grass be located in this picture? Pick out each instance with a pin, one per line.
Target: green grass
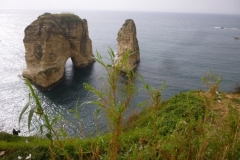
(23, 146)
(183, 108)
(187, 128)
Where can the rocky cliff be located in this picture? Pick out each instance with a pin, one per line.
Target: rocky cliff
(49, 41)
(128, 43)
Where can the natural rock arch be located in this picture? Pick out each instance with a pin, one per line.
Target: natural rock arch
(49, 41)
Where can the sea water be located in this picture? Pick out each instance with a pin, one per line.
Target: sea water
(176, 48)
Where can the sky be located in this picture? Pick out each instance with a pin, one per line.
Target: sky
(194, 6)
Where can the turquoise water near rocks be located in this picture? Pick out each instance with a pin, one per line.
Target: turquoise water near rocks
(175, 47)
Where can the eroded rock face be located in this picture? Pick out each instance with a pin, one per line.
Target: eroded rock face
(127, 41)
(49, 41)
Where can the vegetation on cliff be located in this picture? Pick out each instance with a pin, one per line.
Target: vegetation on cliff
(201, 124)
(67, 17)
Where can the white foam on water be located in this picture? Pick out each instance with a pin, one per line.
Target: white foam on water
(225, 28)
(219, 27)
(115, 53)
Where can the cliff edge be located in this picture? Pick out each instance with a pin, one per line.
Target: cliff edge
(49, 41)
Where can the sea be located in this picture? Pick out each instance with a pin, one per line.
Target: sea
(176, 49)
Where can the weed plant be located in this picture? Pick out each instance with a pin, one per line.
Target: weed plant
(112, 100)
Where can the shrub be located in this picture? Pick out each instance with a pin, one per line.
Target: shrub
(182, 107)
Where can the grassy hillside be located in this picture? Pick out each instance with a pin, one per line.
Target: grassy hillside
(190, 125)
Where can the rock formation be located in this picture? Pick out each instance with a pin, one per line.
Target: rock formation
(49, 41)
(128, 43)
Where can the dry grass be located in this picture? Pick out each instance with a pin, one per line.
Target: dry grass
(221, 101)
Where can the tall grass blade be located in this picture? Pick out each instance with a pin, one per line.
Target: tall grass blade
(38, 103)
(30, 115)
(23, 111)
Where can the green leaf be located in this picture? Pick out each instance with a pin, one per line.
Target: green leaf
(87, 102)
(97, 112)
(23, 111)
(97, 103)
(30, 115)
(92, 89)
(49, 136)
(164, 86)
(76, 111)
(100, 61)
(142, 104)
(70, 110)
(147, 87)
(99, 55)
(121, 109)
(41, 129)
(39, 111)
(88, 87)
(111, 54)
(47, 122)
(38, 103)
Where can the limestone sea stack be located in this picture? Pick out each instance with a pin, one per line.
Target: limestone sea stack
(49, 41)
(127, 42)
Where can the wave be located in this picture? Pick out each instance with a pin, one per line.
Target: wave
(116, 56)
(219, 27)
(225, 28)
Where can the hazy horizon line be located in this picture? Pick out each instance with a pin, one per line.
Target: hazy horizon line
(66, 10)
